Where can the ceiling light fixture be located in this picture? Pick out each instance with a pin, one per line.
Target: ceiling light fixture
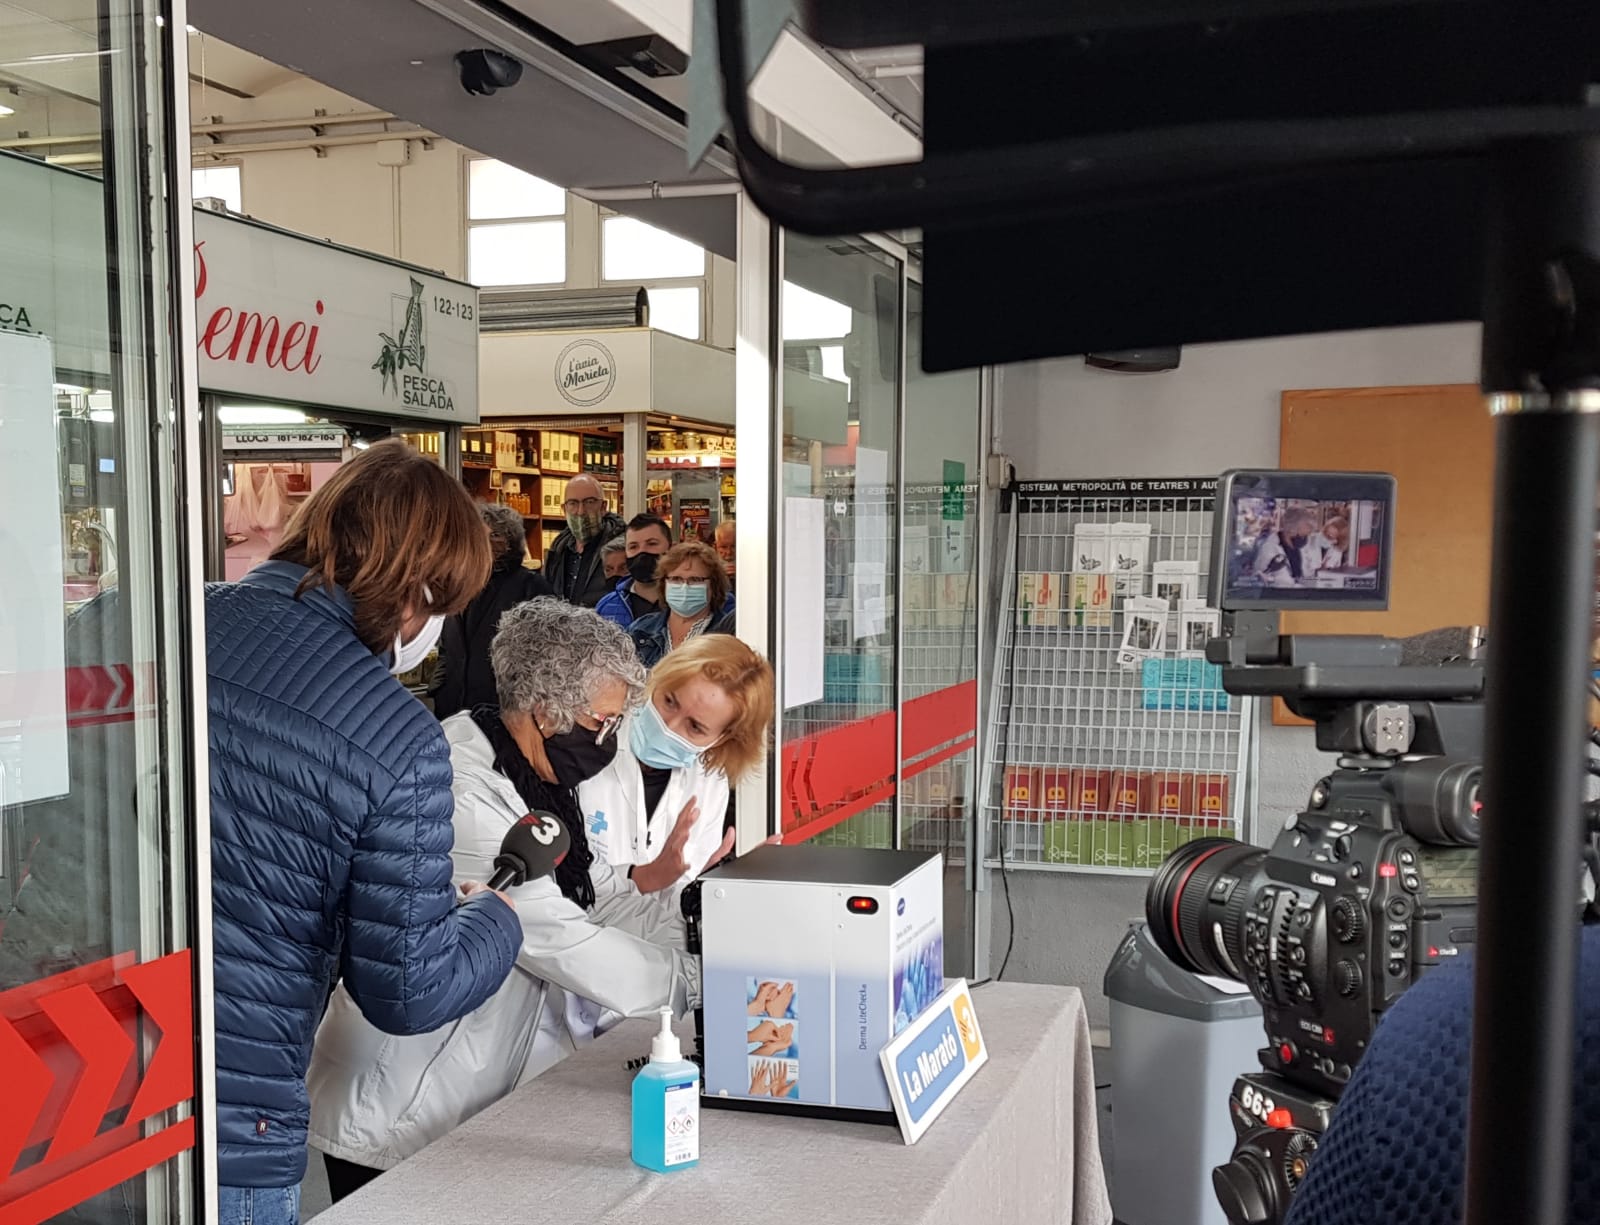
(6, 110)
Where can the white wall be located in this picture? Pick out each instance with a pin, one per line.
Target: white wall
(1218, 410)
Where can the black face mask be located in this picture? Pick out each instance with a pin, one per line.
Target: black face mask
(642, 566)
(575, 757)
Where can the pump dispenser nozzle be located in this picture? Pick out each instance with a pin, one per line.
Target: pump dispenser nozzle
(664, 1048)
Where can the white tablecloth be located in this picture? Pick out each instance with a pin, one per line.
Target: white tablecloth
(1017, 1146)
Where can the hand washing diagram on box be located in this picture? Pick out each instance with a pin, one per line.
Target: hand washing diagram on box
(772, 1040)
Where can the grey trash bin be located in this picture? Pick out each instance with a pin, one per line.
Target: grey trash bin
(1177, 1045)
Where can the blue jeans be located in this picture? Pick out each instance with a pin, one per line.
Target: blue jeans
(258, 1205)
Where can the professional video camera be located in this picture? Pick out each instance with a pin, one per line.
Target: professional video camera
(1374, 882)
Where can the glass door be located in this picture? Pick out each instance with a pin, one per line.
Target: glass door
(840, 326)
(99, 862)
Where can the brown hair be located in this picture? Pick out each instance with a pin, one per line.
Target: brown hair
(745, 677)
(389, 523)
(717, 585)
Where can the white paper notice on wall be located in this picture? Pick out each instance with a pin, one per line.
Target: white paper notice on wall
(804, 586)
(33, 695)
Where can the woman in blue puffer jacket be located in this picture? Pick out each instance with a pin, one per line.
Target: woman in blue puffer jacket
(331, 805)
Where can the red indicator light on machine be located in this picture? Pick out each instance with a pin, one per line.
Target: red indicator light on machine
(1286, 1053)
(1432, 952)
(1279, 1118)
(1388, 870)
(862, 905)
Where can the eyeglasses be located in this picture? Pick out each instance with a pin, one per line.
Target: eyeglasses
(576, 504)
(607, 725)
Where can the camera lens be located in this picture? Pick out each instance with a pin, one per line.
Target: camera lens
(1438, 799)
(1196, 904)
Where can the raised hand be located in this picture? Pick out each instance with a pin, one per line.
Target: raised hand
(664, 871)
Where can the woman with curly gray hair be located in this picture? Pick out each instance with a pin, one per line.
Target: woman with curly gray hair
(565, 678)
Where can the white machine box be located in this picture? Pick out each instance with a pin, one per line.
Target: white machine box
(813, 959)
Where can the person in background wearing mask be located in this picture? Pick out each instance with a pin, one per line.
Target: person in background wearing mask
(727, 537)
(614, 555)
(566, 678)
(330, 804)
(655, 814)
(574, 566)
(697, 602)
(647, 539)
(465, 678)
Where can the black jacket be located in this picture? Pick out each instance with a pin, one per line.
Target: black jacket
(465, 677)
(563, 556)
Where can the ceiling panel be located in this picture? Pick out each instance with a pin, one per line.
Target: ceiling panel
(398, 56)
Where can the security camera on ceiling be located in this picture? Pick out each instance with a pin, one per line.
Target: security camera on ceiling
(485, 71)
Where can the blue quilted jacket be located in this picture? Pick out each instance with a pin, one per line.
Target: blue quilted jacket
(330, 852)
(1395, 1153)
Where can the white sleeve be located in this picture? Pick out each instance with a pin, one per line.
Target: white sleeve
(610, 878)
(707, 836)
(604, 963)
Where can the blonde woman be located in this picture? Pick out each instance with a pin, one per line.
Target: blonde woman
(655, 815)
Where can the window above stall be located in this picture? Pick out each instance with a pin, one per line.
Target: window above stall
(672, 269)
(516, 227)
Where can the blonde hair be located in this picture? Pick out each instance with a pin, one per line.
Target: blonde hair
(745, 677)
(717, 586)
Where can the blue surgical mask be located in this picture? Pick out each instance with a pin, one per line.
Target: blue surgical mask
(687, 599)
(657, 745)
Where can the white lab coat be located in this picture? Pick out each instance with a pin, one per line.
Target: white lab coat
(1273, 550)
(613, 806)
(377, 1098)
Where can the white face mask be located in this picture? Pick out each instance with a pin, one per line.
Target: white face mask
(408, 656)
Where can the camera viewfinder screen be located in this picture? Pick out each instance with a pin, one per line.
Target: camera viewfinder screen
(1306, 540)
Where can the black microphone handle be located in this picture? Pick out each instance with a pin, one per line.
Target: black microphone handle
(504, 877)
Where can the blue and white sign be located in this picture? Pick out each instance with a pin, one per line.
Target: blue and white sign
(931, 1060)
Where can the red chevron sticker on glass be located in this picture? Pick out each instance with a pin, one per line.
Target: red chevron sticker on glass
(89, 1055)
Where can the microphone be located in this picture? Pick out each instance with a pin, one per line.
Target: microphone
(532, 848)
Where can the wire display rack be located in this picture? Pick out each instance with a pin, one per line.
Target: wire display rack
(1112, 741)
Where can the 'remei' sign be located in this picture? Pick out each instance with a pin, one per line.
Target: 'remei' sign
(281, 317)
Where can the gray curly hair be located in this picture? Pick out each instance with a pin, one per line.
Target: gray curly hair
(550, 657)
(507, 531)
(617, 544)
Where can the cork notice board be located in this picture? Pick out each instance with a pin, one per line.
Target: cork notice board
(1438, 442)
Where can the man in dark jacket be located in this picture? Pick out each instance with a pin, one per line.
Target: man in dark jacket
(465, 680)
(574, 566)
(331, 806)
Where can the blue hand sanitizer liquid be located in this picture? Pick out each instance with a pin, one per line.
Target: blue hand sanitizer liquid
(666, 1106)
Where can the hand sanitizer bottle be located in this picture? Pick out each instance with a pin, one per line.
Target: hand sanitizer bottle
(666, 1106)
